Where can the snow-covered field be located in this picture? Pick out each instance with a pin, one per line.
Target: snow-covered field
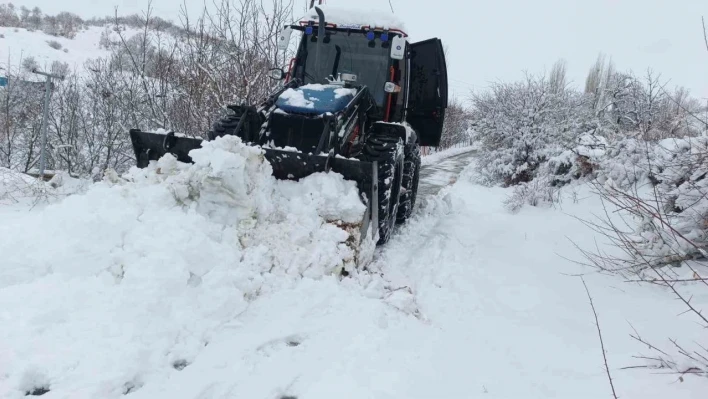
(214, 281)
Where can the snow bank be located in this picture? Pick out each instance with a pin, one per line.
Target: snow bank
(106, 289)
(20, 188)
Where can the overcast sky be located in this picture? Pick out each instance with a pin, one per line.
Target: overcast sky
(496, 40)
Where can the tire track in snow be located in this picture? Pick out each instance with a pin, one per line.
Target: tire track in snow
(436, 176)
(415, 237)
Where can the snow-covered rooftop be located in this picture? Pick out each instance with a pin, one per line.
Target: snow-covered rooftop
(353, 17)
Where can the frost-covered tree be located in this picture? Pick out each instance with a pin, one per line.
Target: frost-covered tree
(558, 79)
(176, 78)
(8, 15)
(521, 125)
(457, 125)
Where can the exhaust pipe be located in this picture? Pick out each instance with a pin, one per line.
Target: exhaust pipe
(320, 33)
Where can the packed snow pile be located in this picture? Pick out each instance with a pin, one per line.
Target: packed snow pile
(155, 260)
(227, 202)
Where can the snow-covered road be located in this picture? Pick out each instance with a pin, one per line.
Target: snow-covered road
(435, 176)
(133, 297)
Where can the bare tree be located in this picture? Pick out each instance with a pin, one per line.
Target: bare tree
(558, 77)
(169, 77)
(456, 129)
(705, 34)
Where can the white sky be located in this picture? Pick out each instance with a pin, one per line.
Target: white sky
(496, 40)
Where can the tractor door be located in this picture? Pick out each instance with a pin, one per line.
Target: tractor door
(427, 95)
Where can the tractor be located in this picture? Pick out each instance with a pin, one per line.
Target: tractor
(357, 99)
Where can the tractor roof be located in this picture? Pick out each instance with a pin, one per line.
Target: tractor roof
(348, 18)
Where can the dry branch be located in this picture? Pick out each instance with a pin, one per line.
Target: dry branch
(602, 343)
(705, 34)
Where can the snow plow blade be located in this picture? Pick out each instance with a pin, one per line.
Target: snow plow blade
(286, 165)
(152, 146)
(290, 165)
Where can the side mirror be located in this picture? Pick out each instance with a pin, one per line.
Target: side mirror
(277, 74)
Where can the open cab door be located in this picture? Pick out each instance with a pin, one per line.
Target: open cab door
(427, 96)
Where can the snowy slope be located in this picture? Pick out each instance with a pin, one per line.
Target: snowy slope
(17, 44)
(146, 288)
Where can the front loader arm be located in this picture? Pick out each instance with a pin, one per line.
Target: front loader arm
(355, 114)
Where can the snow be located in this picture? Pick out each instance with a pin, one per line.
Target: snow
(591, 146)
(500, 301)
(343, 92)
(21, 189)
(296, 98)
(436, 157)
(214, 280)
(154, 262)
(19, 43)
(15, 185)
(314, 87)
(377, 17)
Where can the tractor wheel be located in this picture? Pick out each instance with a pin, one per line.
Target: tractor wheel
(411, 177)
(228, 124)
(388, 151)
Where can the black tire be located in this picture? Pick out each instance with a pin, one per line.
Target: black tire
(228, 124)
(388, 152)
(411, 177)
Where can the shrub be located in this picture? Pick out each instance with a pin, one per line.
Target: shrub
(523, 125)
(54, 44)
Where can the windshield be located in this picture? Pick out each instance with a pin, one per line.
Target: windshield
(343, 52)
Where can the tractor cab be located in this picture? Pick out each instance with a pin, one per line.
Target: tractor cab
(332, 57)
(354, 57)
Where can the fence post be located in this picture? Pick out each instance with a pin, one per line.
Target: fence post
(45, 116)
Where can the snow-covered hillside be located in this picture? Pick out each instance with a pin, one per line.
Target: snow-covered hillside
(17, 44)
(214, 281)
